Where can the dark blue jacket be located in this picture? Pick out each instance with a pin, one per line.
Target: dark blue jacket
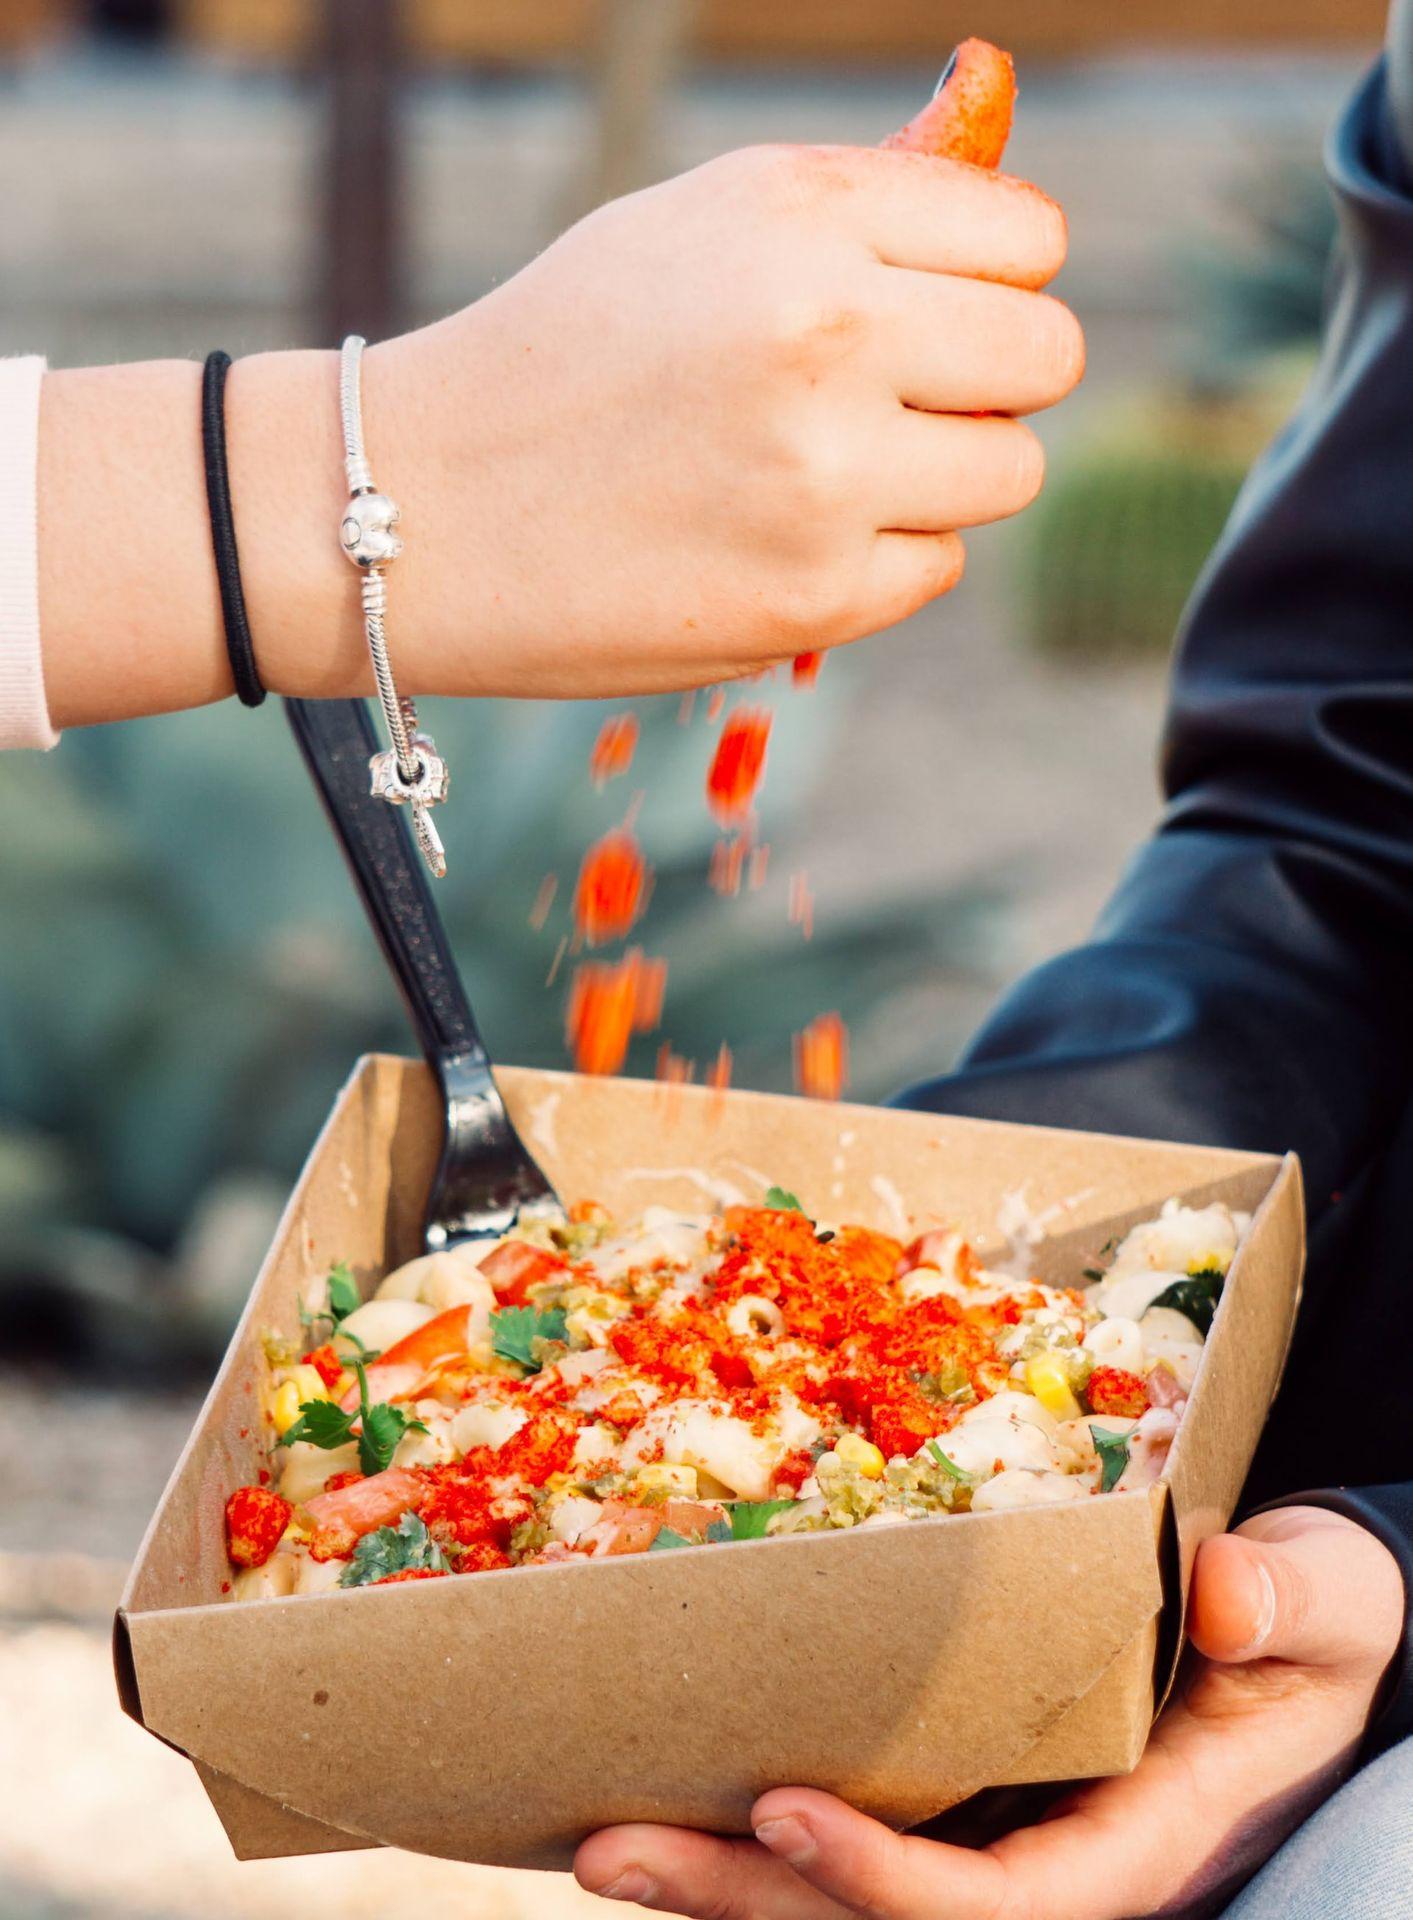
(1250, 984)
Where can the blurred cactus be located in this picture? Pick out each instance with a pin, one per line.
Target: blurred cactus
(1117, 542)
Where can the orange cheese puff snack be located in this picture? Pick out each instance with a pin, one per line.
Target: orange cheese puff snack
(969, 116)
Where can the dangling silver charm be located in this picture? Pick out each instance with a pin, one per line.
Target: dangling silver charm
(428, 785)
(409, 773)
(426, 789)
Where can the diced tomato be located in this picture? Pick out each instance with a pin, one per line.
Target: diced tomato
(400, 1368)
(411, 1573)
(1163, 1387)
(690, 1518)
(624, 1529)
(255, 1520)
(515, 1266)
(1114, 1390)
(349, 1512)
(326, 1364)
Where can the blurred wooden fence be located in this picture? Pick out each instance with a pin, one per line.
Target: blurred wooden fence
(516, 31)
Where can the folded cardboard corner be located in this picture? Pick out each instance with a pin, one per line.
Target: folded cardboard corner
(902, 1667)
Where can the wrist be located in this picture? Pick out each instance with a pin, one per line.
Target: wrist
(285, 455)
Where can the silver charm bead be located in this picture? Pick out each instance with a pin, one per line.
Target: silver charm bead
(427, 787)
(366, 530)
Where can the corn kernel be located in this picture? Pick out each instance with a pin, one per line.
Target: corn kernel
(284, 1409)
(1048, 1379)
(861, 1455)
(681, 1481)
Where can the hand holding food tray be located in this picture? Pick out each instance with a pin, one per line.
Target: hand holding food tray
(901, 1666)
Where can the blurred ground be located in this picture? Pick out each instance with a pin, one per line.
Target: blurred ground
(963, 755)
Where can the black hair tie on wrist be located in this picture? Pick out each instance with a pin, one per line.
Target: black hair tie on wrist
(248, 684)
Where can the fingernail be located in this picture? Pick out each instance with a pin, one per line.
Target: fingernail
(789, 1838)
(1265, 1613)
(947, 72)
(631, 1884)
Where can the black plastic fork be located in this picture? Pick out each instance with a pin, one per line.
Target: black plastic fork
(487, 1178)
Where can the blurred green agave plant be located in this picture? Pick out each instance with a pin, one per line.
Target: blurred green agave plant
(186, 978)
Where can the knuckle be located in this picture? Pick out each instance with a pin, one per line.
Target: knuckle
(809, 335)
(819, 481)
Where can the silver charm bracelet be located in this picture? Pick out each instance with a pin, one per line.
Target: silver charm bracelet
(410, 772)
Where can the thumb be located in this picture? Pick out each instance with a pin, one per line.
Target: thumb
(1301, 1585)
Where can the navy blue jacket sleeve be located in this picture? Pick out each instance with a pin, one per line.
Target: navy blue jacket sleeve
(1250, 982)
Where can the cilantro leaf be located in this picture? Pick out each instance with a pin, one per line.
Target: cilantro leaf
(1196, 1296)
(751, 1518)
(782, 1200)
(666, 1537)
(950, 1466)
(344, 1296)
(394, 1550)
(383, 1426)
(323, 1423)
(515, 1330)
(1112, 1449)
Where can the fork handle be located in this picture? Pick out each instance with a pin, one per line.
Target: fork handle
(336, 738)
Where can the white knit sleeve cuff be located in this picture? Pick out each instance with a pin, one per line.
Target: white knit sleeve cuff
(24, 715)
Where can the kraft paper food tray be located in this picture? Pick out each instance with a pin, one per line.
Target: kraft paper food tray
(501, 1717)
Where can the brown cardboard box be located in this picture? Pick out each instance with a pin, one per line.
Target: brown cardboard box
(500, 1718)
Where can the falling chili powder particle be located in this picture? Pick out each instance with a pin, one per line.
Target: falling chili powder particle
(718, 1074)
(612, 887)
(610, 1001)
(716, 701)
(672, 1068)
(804, 669)
(801, 904)
(544, 900)
(727, 860)
(822, 1058)
(613, 750)
(738, 764)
